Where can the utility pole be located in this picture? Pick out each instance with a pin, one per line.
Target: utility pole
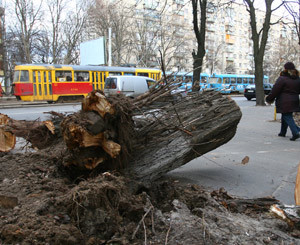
(109, 47)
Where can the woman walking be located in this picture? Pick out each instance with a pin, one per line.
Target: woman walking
(286, 91)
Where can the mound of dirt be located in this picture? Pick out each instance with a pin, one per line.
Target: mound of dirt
(41, 204)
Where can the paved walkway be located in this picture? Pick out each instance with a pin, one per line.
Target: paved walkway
(273, 160)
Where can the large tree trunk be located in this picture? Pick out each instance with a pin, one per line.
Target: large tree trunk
(200, 31)
(144, 138)
(183, 131)
(259, 38)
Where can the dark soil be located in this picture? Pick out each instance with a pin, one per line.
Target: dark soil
(41, 204)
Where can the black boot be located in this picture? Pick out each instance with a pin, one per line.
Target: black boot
(295, 137)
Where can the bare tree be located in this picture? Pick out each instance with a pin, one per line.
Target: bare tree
(73, 29)
(43, 47)
(214, 56)
(114, 15)
(146, 39)
(56, 9)
(172, 43)
(293, 7)
(198, 55)
(28, 16)
(287, 50)
(260, 38)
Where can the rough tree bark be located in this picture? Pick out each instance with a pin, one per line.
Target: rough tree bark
(200, 36)
(183, 131)
(145, 137)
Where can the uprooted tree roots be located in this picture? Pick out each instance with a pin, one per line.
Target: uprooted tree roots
(43, 207)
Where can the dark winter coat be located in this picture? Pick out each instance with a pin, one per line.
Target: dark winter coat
(286, 91)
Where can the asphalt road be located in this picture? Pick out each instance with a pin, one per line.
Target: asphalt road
(20, 110)
(273, 160)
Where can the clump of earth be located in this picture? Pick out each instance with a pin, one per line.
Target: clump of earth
(40, 203)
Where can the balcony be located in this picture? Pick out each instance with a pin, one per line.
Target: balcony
(230, 49)
(210, 19)
(229, 39)
(210, 28)
(229, 59)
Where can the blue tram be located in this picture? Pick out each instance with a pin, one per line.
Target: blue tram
(231, 83)
(225, 83)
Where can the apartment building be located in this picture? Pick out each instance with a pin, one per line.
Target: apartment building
(164, 29)
(229, 47)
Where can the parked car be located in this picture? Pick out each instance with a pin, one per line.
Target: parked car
(249, 91)
(131, 86)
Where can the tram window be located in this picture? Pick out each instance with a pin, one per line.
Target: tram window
(24, 77)
(39, 77)
(50, 89)
(34, 89)
(128, 73)
(45, 89)
(232, 80)
(45, 76)
(34, 77)
(16, 76)
(251, 81)
(239, 80)
(49, 77)
(61, 76)
(115, 73)
(143, 74)
(214, 80)
(111, 83)
(203, 79)
(101, 77)
(226, 80)
(82, 76)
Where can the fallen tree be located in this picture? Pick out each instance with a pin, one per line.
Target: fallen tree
(39, 204)
(144, 137)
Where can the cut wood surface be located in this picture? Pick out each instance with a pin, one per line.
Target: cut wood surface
(7, 138)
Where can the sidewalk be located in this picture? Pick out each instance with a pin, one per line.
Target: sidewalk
(273, 160)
